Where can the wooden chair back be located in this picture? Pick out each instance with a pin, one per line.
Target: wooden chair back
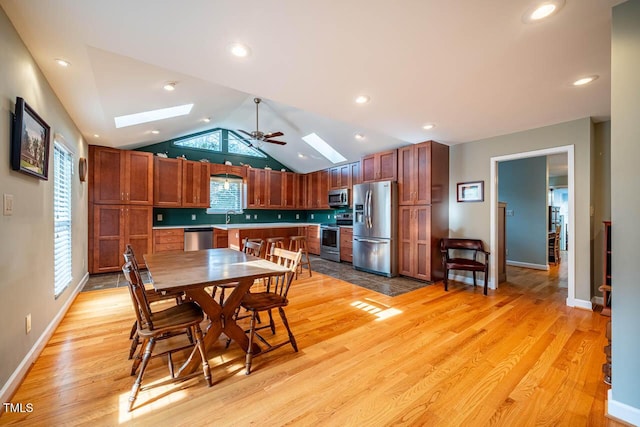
(130, 256)
(280, 284)
(475, 245)
(138, 295)
(252, 247)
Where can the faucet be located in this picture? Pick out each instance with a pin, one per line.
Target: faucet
(228, 218)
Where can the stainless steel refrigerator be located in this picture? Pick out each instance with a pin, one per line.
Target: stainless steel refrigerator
(375, 227)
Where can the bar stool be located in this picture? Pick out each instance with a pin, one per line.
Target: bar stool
(272, 242)
(299, 243)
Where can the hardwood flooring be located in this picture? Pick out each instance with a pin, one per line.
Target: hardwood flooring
(516, 357)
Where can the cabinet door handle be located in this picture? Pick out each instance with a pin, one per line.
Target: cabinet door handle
(122, 196)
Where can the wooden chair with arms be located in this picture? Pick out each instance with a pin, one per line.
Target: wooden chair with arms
(155, 325)
(275, 296)
(250, 247)
(462, 263)
(152, 297)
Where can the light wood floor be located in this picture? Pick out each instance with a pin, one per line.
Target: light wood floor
(457, 358)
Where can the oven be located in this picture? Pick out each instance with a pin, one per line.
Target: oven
(330, 242)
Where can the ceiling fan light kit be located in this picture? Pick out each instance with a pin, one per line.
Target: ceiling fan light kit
(257, 137)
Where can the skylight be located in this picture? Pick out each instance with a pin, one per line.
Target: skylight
(323, 148)
(152, 116)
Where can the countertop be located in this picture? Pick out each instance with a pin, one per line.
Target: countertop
(241, 226)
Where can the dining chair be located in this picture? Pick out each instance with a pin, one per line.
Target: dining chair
(250, 247)
(152, 326)
(275, 296)
(152, 296)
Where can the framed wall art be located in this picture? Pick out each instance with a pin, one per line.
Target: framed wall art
(30, 141)
(472, 191)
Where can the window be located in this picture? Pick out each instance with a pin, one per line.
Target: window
(62, 173)
(238, 146)
(225, 199)
(211, 141)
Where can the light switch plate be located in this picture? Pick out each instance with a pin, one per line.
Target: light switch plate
(279, 216)
(297, 216)
(193, 217)
(247, 216)
(311, 216)
(8, 204)
(28, 322)
(255, 216)
(159, 217)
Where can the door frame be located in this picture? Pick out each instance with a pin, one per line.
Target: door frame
(569, 150)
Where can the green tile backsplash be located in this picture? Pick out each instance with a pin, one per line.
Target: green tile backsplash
(182, 216)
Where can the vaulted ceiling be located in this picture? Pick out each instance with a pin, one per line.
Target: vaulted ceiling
(473, 68)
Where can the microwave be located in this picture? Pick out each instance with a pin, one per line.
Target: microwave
(339, 198)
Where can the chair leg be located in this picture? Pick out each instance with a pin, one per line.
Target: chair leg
(252, 331)
(203, 354)
(446, 279)
(134, 329)
(486, 280)
(138, 358)
(475, 283)
(272, 325)
(135, 341)
(145, 361)
(286, 325)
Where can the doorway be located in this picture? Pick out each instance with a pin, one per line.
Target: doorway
(569, 150)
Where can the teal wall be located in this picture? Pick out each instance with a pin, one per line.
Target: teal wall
(182, 216)
(522, 185)
(194, 154)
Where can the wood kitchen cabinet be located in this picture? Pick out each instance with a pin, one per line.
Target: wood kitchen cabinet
(354, 169)
(120, 176)
(313, 239)
(418, 166)
(167, 182)
(113, 227)
(340, 177)
(168, 239)
(290, 198)
(381, 166)
(346, 244)
(317, 190)
(415, 242)
(256, 188)
(222, 169)
(275, 187)
(195, 184)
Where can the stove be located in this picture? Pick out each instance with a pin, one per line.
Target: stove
(330, 237)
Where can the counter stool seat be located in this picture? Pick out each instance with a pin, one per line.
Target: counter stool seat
(299, 243)
(272, 242)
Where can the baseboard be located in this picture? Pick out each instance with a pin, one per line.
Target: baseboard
(468, 280)
(579, 303)
(528, 265)
(16, 378)
(597, 300)
(622, 411)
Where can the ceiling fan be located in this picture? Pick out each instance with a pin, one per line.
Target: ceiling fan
(259, 136)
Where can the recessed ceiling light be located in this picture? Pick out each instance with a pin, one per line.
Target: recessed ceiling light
(62, 62)
(152, 116)
(302, 156)
(322, 147)
(240, 50)
(359, 136)
(170, 86)
(155, 131)
(362, 99)
(428, 126)
(95, 135)
(206, 120)
(585, 80)
(540, 10)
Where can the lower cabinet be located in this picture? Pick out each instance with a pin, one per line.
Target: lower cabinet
(168, 239)
(111, 228)
(313, 239)
(415, 250)
(220, 238)
(346, 244)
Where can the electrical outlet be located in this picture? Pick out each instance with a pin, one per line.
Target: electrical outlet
(247, 216)
(297, 216)
(279, 216)
(28, 322)
(193, 217)
(311, 216)
(8, 204)
(255, 216)
(509, 212)
(159, 217)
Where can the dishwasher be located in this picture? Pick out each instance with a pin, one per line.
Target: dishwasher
(196, 239)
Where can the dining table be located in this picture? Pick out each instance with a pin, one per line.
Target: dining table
(193, 271)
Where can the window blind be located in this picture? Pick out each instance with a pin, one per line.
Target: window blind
(225, 199)
(62, 174)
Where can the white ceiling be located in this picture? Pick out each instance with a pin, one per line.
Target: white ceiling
(472, 67)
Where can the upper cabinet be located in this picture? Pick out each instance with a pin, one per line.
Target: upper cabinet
(423, 171)
(195, 184)
(167, 182)
(381, 166)
(120, 177)
(256, 188)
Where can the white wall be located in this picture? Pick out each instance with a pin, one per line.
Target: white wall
(471, 162)
(26, 237)
(624, 400)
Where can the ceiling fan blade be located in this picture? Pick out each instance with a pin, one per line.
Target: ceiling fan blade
(273, 141)
(273, 135)
(245, 132)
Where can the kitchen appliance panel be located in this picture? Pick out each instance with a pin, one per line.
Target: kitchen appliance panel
(360, 196)
(375, 256)
(381, 211)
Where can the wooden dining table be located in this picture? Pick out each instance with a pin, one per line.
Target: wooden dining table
(192, 271)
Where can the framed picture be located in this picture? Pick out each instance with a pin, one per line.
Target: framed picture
(30, 142)
(471, 191)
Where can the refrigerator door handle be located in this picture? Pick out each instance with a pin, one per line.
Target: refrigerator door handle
(379, 242)
(370, 222)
